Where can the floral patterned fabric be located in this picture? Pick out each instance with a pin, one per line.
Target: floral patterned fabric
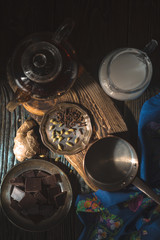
(129, 214)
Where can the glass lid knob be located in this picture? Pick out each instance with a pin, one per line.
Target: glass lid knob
(41, 62)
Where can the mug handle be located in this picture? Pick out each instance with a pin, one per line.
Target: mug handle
(64, 30)
(150, 47)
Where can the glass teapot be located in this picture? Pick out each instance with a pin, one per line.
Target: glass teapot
(42, 68)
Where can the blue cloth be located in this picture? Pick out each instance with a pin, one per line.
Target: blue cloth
(128, 214)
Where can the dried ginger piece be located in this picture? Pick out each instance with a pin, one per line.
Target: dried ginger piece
(26, 143)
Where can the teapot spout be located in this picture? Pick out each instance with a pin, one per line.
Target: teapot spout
(11, 106)
(19, 98)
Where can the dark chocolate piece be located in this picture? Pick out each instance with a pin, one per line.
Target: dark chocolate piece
(49, 180)
(40, 198)
(36, 218)
(42, 174)
(52, 192)
(60, 198)
(32, 184)
(17, 194)
(47, 210)
(24, 213)
(15, 205)
(34, 210)
(28, 201)
(36, 194)
(58, 177)
(29, 173)
(18, 181)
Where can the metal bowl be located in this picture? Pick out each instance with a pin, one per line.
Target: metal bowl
(20, 221)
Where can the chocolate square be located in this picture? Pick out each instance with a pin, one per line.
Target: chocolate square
(32, 184)
(47, 210)
(36, 218)
(60, 198)
(40, 198)
(17, 194)
(49, 180)
(29, 173)
(42, 174)
(52, 192)
(15, 206)
(58, 177)
(24, 213)
(28, 201)
(33, 210)
(18, 181)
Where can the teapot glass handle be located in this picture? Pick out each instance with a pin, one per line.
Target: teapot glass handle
(64, 30)
(150, 47)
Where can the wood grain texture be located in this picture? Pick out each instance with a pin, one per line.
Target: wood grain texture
(9, 124)
(101, 26)
(104, 116)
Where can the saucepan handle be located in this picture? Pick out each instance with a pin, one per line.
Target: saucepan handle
(141, 185)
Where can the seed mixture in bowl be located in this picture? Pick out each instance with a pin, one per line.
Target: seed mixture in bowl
(66, 129)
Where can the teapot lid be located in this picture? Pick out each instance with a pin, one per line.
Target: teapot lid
(41, 62)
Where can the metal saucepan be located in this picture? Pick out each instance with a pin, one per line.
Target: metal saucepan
(111, 163)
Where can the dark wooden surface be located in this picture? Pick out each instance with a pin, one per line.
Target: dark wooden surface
(101, 26)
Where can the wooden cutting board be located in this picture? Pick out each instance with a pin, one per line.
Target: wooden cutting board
(104, 115)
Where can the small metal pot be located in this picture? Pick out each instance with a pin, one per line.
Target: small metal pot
(111, 163)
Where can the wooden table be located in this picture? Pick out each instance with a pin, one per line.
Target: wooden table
(101, 26)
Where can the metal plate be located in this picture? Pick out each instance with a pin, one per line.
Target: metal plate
(20, 221)
(111, 163)
(82, 133)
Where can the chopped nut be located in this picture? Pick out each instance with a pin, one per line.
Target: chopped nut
(50, 127)
(60, 147)
(54, 133)
(71, 130)
(57, 159)
(60, 139)
(69, 144)
(62, 131)
(57, 133)
(69, 138)
(76, 140)
(54, 139)
(55, 123)
(66, 133)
